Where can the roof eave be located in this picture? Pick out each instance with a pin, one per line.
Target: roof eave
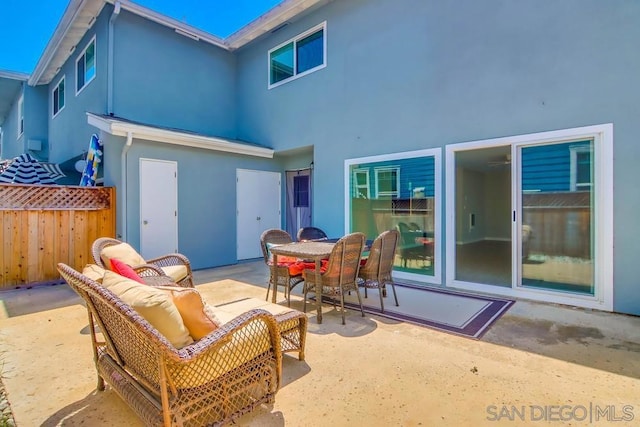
(121, 128)
(178, 26)
(14, 75)
(267, 22)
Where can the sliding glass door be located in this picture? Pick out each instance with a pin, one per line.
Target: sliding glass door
(556, 208)
(546, 197)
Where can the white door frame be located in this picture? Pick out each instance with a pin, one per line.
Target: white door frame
(603, 211)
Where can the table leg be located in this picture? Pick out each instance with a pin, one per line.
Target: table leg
(275, 278)
(319, 290)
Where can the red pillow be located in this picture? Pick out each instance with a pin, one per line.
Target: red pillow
(125, 270)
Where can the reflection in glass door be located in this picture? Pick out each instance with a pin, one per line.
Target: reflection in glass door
(556, 207)
(398, 191)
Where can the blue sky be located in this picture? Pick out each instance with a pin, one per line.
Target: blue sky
(24, 32)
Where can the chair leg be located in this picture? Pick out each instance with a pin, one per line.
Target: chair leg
(268, 288)
(393, 287)
(381, 301)
(360, 301)
(304, 298)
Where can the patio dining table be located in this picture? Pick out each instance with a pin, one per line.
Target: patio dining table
(311, 250)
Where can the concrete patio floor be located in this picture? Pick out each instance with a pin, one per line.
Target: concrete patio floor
(539, 363)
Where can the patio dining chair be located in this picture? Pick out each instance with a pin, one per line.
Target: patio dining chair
(271, 237)
(376, 272)
(311, 233)
(176, 266)
(341, 273)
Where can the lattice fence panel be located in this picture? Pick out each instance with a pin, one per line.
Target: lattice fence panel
(39, 197)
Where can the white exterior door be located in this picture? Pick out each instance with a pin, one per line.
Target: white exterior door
(158, 207)
(258, 209)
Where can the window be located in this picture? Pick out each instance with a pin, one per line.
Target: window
(86, 66)
(301, 191)
(361, 183)
(581, 167)
(297, 57)
(20, 116)
(380, 194)
(58, 97)
(387, 182)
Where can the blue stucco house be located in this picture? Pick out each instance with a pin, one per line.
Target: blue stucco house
(504, 131)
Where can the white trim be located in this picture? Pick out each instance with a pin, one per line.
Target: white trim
(274, 18)
(602, 136)
(13, 75)
(436, 153)
(294, 40)
(122, 128)
(54, 113)
(20, 115)
(95, 65)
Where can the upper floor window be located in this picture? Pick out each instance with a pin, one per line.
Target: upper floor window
(86, 66)
(20, 116)
(58, 97)
(387, 182)
(299, 56)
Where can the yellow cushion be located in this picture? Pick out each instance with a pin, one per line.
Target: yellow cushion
(94, 272)
(155, 305)
(226, 312)
(122, 252)
(176, 272)
(189, 303)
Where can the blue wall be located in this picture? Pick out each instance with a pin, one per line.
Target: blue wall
(35, 123)
(69, 132)
(12, 145)
(432, 73)
(206, 195)
(170, 80)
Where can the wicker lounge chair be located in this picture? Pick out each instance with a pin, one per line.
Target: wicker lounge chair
(225, 374)
(278, 237)
(341, 273)
(311, 233)
(164, 265)
(376, 273)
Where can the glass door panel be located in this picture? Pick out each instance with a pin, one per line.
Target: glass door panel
(557, 217)
(483, 250)
(397, 193)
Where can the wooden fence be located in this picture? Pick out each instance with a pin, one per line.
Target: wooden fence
(41, 226)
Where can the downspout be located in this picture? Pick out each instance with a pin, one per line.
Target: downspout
(123, 181)
(112, 20)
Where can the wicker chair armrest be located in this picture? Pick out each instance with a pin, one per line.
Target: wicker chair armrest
(222, 336)
(146, 270)
(170, 259)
